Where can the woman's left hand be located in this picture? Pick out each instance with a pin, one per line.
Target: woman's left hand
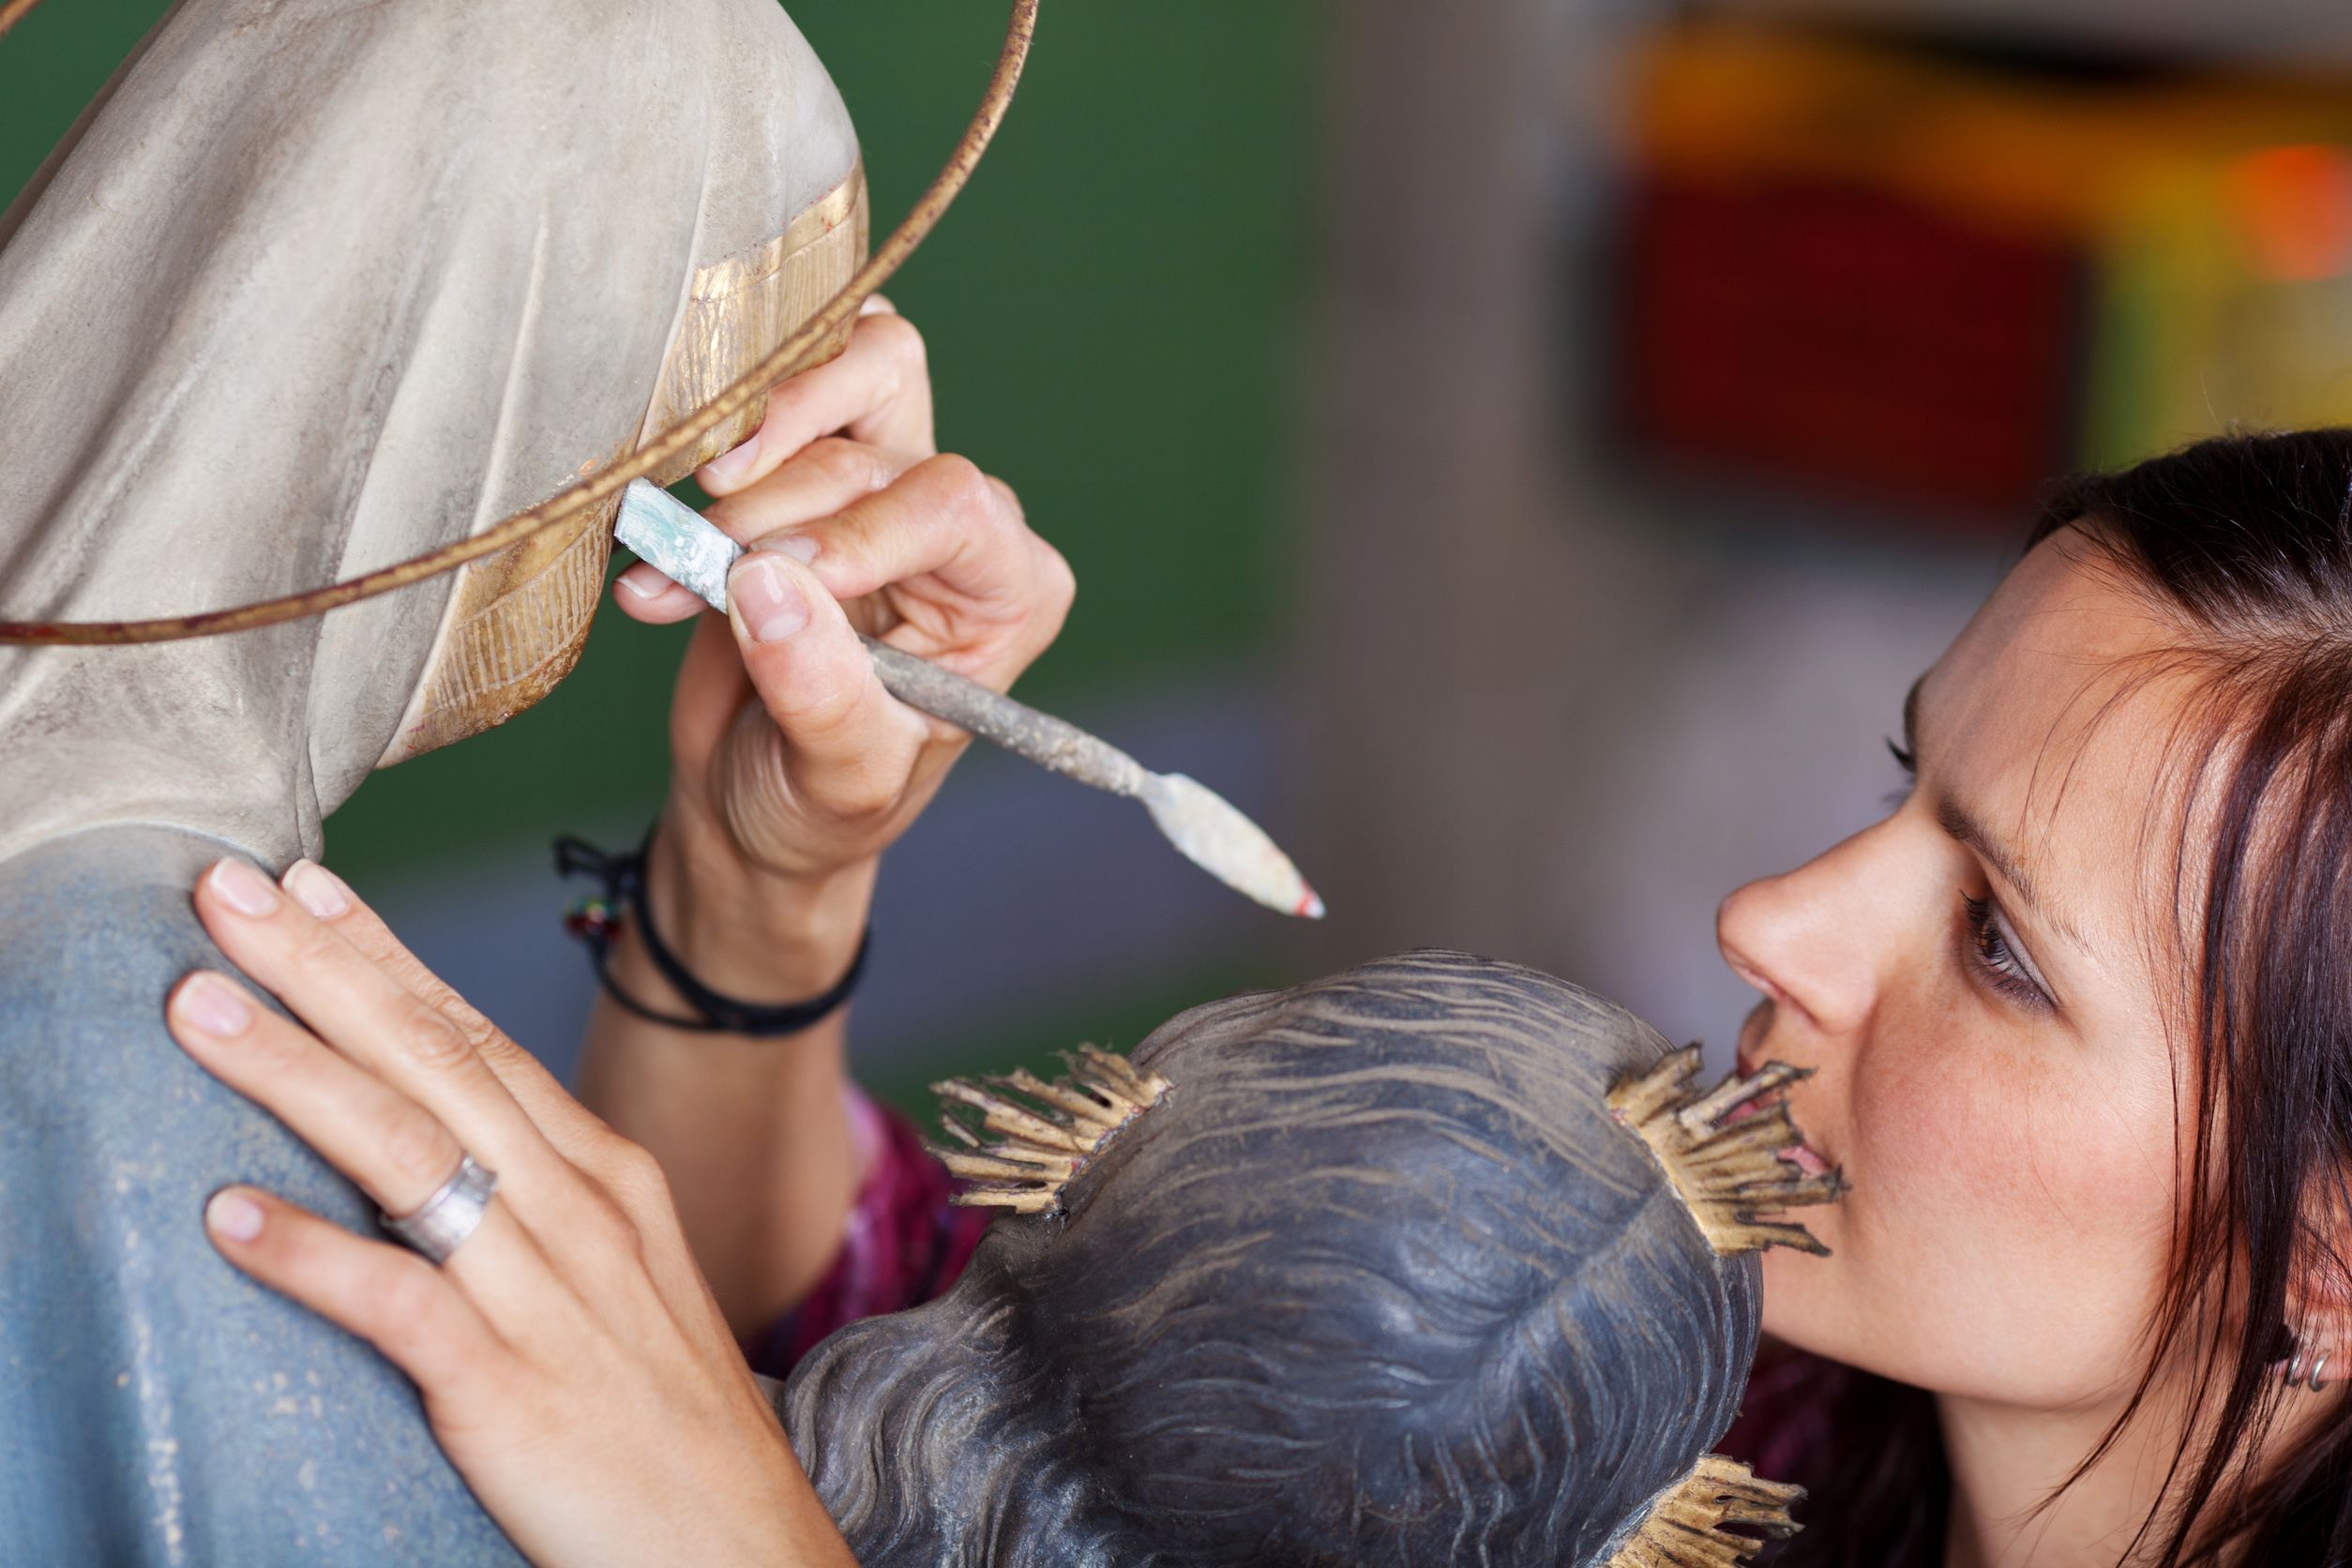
(573, 1364)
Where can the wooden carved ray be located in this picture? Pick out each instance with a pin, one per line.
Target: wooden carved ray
(1686, 1527)
(1728, 1168)
(1043, 1133)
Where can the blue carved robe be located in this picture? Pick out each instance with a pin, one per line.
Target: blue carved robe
(159, 1407)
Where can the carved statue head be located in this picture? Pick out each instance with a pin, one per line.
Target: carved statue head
(314, 288)
(1436, 1261)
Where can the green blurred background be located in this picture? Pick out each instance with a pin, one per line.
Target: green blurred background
(1115, 319)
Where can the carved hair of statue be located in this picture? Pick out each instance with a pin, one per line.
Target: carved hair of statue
(1436, 1261)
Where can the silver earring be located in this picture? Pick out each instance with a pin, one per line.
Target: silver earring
(2303, 1370)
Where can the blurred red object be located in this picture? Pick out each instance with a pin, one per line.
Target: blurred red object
(1927, 279)
(2294, 206)
(1849, 343)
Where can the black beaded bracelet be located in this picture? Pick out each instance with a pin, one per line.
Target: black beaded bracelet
(597, 920)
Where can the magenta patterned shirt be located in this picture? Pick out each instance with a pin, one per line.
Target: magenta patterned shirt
(903, 1245)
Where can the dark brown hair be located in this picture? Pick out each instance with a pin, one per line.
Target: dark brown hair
(2247, 541)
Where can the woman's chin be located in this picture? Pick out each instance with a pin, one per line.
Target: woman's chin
(1798, 1290)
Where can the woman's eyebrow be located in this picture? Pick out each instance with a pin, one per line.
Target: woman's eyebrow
(1956, 820)
(1963, 825)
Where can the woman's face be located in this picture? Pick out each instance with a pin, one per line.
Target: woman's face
(1975, 980)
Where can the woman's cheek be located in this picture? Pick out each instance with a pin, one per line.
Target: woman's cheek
(1894, 1118)
(1936, 1124)
(2006, 1228)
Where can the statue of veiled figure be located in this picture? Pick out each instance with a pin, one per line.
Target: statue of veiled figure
(315, 285)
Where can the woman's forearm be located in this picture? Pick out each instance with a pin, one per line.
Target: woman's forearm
(792, 769)
(753, 1135)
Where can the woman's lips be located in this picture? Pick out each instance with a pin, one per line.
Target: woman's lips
(1804, 1159)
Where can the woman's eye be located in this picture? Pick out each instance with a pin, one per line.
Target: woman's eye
(1993, 952)
(1909, 765)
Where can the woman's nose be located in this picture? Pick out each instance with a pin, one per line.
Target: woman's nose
(1811, 939)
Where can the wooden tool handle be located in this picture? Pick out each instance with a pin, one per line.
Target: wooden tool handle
(1045, 740)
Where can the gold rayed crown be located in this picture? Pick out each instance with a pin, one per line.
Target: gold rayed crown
(1727, 1172)
(1686, 1527)
(1040, 1144)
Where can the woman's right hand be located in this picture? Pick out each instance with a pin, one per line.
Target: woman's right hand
(793, 767)
(792, 770)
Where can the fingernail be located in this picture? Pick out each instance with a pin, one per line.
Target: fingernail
(242, 888)
(317, 889)
(645, 581)
(235, 1215)
(769, 601)
(800, 546)
(728, 467)
(212, 1005)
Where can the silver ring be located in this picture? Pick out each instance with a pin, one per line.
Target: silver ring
(441, 1224)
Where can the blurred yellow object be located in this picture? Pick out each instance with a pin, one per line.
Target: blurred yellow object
(2207, 218)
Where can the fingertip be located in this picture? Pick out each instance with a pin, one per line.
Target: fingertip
(768, 597)
(813, 677)
(235, 1215)
(241, 888)
(211, 1006)
(317, 889)
(641, 581)
(802, 548)
(645, 595)
(730, 470)
(878, 305)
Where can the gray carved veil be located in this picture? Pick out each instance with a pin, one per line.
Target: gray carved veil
(317, 286)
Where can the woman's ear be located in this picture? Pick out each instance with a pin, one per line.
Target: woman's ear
(2319, 1300)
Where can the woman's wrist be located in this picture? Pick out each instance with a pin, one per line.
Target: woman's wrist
(752, 933)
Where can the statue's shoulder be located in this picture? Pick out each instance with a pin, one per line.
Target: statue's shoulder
(89, 922)
(159, 1407)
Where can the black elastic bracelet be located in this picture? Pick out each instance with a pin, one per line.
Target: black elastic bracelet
(597, 921)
